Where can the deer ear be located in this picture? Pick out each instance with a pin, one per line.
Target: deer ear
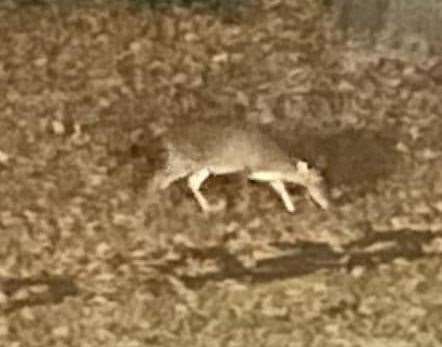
(302, 166)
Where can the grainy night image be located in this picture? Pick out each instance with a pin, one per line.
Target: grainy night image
(220, 173)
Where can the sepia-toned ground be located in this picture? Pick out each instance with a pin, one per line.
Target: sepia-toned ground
(89, 256)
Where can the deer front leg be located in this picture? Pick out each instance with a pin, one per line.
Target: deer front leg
(279, 188)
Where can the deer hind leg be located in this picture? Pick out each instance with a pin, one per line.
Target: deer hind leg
(195, 181)
(163, 179)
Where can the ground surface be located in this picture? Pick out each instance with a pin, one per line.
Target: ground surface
(89, 258)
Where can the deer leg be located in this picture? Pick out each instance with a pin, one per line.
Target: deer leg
(279, 188)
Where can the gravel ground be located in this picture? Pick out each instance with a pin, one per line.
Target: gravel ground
(90, 257)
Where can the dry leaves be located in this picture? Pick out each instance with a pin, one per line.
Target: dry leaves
(82, 83)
